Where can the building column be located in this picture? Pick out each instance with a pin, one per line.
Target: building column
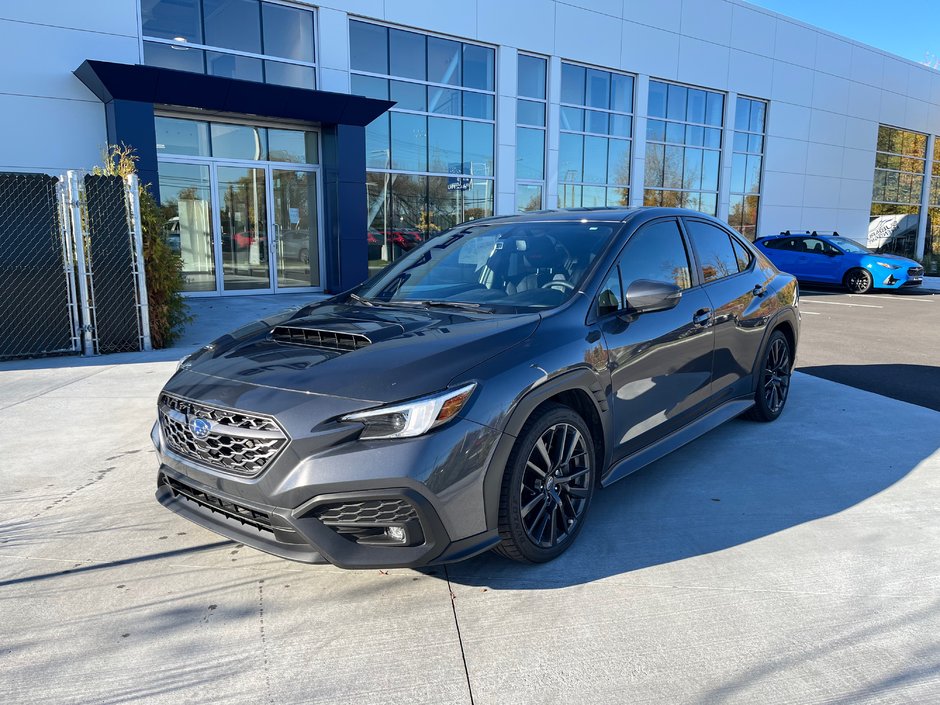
(638, 167)
(924, 201)
(506, 85)
(333, 50)
(727, 150)
(552, 133)
(130, 122)
(343, 224)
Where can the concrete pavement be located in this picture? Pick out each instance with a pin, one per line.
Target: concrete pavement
(796, 562)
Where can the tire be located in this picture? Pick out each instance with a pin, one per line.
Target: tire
(544, 500)
(858, 281)
(773, 387)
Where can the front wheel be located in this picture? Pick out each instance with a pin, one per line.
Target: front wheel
(774, 382)
(547, 486)
(858, 281)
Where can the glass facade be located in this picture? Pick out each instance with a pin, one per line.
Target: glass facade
(245, 39)
(932, 239)
(596, 137)
(683, 147)
(531, 113)
(239, 204)
(430, 159)
(747, 159)
(900, 163)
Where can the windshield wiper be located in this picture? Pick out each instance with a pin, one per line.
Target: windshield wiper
(359, 300)
(465, 305)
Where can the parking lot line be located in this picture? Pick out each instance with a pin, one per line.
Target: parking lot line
(836, 303)
(811, 313)
(921, 299)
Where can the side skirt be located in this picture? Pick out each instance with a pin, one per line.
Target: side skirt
(677, 439)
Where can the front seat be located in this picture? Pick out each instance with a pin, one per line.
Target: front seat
(543, 262)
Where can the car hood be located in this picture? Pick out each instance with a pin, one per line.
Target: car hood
(404, 353)
(895, 259)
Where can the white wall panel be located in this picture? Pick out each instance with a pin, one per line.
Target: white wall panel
(858, 164)
(864, 101)
(752, 30)
(792, 84)
(896, 74)
(702, 63)
(750, 74)
(707, 19)
(524, 25)
(786, 155)
(795, 44)
(788, 120)
(867, 65)
(99, 16)
(830, 92)
(586, 36)
(821, 192)
(824, 160)
(854, 191)
(649, 50)
(664, 14)
(833, 55)
(458, 18)
(827, 128)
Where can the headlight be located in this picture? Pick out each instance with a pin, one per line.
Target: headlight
(184, 362)
(888, 266)
(412, 418)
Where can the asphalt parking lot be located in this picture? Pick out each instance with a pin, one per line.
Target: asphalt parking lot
(795, 562)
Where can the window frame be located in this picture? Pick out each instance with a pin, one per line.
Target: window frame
(543, 182)
(698, 261)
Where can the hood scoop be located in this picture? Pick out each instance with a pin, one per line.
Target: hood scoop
(318, 338)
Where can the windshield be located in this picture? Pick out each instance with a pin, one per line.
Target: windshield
(496, 267)
(850, 245)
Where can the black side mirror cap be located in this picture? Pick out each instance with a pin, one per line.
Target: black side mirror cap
(646, 296)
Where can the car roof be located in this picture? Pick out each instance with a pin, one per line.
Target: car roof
(609, 214)
(801, 233)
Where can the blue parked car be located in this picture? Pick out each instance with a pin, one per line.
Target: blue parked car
(830, 259)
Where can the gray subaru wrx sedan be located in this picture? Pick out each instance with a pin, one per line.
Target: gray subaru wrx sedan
(477, 392)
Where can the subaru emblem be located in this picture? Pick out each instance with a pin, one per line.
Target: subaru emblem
(199, 427)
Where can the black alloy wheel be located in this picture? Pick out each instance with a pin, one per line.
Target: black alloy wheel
(859, 281)
(547, 486)
(774, 384)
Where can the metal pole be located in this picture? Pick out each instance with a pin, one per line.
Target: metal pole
(133, 201)
(68, 258)
(75, 211)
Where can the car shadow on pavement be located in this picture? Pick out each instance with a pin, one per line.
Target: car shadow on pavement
(740, 483)
(915, 384)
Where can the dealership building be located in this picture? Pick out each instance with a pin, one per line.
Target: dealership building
(296, 146)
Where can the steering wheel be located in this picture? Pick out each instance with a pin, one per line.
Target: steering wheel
(558, 283)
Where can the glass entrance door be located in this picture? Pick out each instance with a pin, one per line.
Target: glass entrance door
(297, 251)
(243, 227)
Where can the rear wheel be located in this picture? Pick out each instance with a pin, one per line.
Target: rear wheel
(858, 281)
(547, 486)
(774, 384)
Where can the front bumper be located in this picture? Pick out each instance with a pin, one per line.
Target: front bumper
(902, 278)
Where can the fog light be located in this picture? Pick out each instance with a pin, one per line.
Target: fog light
(396, 533)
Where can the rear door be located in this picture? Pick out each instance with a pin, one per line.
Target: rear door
(736, 289)
(660, 362)
(821, 261)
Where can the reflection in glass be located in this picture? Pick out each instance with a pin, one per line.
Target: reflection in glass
(597, 84)
(444, 145)
(243, 218)
(186, 221)
(288, 32)
(409, 96)
(530, 112)
(478, 67)
(398, 215)
(407, 54)
(189, 137)
(478, 147)
(377, 142)
(169, 19)
(531, 76)
(293, 146)
(281, 74)
(174, 57)
(443, 61)
(233, 24)
(530, 153)
(595, 159)
(368, 47)
(478, 105)
(234, 66)
(570, 157)
(295, 228)
(618, 162)
(572, 84)
(444, 101)
(238, 141)
(409, 142)
(369, 86)
(528, 197)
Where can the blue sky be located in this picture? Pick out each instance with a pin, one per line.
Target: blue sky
(908, 29)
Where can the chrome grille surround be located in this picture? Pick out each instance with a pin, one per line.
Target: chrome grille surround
(238, 442)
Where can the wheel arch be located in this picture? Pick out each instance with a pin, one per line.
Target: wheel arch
(786, 323)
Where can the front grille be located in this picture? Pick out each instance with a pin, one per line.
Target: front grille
(230, 510)
(237, 442)
(328, 339)
(377, 512)
(915, 272)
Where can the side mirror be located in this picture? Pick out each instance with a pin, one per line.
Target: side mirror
(646, 296)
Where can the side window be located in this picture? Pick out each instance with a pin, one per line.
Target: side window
(741, 254)
(611, 297)
(656, 252)
(714, 250)
(815, 246)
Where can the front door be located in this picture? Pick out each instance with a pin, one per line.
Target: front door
(243, 227)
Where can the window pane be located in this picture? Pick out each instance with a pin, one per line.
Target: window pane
(233, 24)
(238, 141)
(171, 19)
(478, 67)
(713, 247)
(618, 196)
(742, 114)
(528, 197)
(407, 54)
(187, 228)
(408, 213)
(569, 196)
(610, 298)
(710, 170)
(755, 143)
(443, 61)
(288, 32)
(478, 147)
(377, 143)
(409, 142)
(675, 132)
(657, 100)
(182, 136)
(570, 157)
(738, 173)
(368, 47)
(444, 101)
(598, 89)
(621, 125)
(595, 159)
(234, 66)
(281, 74)
(572, 119)
(695, 111)
(656, 252)
(714, 107)
(478, 105)
(595, 121)
(676, 102)
(530, 153)
(758, 109)
(753, 174)
(409, 96)
(621, 93)
(736, 212)
(694, 135)
(531, 76)
(477, 201)
(572, 84)
(618, 162)
(672, 172)
(292, 146)
(172, 57)
(741, 255)
(444, 152)
(655, 157)
(593, 196)
(369, 86)
(656, 130)
(530, 113)
(692, 169)
(740, 142)
(712, 138)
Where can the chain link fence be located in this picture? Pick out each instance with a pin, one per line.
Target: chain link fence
(71, 266)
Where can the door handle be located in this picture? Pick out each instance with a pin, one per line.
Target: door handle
(759, 290)
(702, 317)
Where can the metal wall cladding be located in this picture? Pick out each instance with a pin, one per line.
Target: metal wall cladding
(111, 257)
(35, 316)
